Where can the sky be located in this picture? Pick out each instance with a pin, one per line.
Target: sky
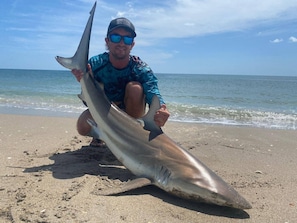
(244, 37)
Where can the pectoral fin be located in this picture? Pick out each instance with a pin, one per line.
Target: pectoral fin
(131, 185)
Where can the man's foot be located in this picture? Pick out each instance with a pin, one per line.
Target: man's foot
(97, 143)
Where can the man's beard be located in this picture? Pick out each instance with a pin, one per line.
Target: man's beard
(119, 55)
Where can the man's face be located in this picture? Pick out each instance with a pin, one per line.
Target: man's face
(119, 50)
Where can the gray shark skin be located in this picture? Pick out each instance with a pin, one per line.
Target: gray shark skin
(144, 148)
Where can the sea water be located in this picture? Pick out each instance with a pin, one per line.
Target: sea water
(258, 101)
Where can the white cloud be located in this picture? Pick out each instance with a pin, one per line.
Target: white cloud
(155, 20)
(56, 28)
(186, 18)
(293, 39)
(276, 40)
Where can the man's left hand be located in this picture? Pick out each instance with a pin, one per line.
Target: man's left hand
(161, 116)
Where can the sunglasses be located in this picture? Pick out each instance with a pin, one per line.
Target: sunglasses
(116, 38)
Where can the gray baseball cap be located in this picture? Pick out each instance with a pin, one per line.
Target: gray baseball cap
(121, 23)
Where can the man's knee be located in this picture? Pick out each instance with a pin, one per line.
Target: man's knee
(134, 99)
(134, 89)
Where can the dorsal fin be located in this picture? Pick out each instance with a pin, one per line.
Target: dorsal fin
(148, 119)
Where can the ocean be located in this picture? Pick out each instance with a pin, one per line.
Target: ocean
(257, 101)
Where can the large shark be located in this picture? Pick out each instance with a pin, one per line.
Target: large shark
(144, 148)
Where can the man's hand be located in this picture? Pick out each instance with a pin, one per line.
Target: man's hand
(161, 116)
(79, 74)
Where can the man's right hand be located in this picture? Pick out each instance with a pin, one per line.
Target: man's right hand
(79, 74)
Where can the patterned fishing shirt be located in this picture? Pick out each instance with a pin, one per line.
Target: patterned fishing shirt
(115, 80)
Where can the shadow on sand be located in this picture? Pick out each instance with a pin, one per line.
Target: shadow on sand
(102, 163)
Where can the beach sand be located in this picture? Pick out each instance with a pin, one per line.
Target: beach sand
(50, 174)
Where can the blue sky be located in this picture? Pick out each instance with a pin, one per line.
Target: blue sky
(173, 36)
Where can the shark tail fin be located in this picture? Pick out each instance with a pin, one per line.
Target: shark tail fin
(67, 62)
(80, 59)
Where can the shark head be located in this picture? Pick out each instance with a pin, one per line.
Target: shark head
(194, 181)
(196, 190)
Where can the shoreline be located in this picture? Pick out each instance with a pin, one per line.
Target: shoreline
(49, 173)
(50, 114)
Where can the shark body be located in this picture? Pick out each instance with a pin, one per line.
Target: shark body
(143, 148)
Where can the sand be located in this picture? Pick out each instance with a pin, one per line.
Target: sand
(48, 173)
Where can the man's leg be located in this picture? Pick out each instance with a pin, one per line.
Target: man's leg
(84, 128)
(134, 100)
(82, 125)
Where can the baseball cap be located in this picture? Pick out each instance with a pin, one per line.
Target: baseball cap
(121, 23)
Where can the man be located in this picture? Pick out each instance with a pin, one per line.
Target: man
(127, 80)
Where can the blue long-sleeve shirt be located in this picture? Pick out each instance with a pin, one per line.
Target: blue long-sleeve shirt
(115, 80)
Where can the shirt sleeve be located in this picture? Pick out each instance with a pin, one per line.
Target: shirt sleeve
(97, 63)
(148, 80)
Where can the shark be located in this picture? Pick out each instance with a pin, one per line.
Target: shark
(143, 148)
